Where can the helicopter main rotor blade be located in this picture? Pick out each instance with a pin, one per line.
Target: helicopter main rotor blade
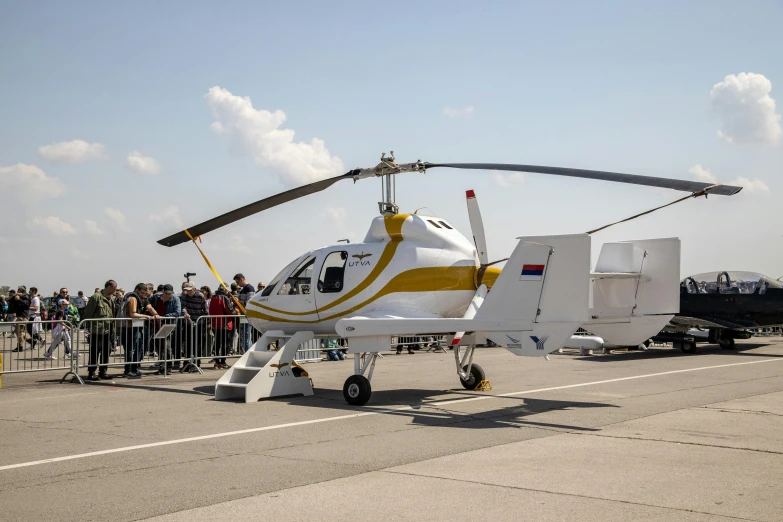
(252, 208)
(650, 181)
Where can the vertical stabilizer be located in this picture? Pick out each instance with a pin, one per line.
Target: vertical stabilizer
(545, 283)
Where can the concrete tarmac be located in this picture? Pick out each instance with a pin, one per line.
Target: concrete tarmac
(654, 435)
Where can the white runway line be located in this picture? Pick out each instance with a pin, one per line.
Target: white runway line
(362, 414)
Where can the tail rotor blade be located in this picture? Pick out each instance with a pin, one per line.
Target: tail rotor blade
(477, 227)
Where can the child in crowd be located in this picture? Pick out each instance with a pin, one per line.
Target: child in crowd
(61, 333)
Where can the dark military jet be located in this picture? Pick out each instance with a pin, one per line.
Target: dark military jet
(719, 307)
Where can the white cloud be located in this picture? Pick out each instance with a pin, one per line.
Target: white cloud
(749, 186)
(258, 133)
(238, 245)
(337, 214)
(699, 173)
(746, 110)
(169, 215)
(30, 181)
(507, 180)
(78, 253)
(92, 227)
(143, 164)
(71, 152)
(53, 225)
(118, 218)
(451, 112)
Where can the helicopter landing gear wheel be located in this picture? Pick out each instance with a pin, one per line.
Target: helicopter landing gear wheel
(688, 347)
(727, 344)
(357, 390)
(476, 376)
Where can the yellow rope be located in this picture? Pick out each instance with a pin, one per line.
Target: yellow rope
(239, 305)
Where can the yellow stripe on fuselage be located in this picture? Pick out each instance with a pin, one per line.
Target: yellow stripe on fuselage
(490, 276)
(430, 279)
(393, 226)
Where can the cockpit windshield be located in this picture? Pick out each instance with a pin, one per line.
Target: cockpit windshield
(298, 283)
(271, 286)
(729, 283)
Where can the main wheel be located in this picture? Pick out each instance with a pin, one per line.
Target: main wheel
(357, 390)
(727, 344)
(476, 376)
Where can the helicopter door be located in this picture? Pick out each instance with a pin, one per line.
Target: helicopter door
(295, 294)
(346, 279)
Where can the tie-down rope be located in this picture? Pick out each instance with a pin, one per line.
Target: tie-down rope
(702, 192)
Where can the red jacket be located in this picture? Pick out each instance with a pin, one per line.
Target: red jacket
(221, 305)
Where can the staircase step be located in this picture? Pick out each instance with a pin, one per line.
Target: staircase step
(238, 366)
(243, 375)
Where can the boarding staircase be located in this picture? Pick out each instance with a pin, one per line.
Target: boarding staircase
(262, 373)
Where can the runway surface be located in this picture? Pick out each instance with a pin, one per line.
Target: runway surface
(654, 435)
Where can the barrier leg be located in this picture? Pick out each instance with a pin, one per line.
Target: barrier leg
(74, 365)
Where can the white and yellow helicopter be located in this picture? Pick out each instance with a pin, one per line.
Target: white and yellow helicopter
(416, 274)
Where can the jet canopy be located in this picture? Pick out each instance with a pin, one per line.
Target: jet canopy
(729, 283)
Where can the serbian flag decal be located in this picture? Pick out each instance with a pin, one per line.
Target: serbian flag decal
(532, 272)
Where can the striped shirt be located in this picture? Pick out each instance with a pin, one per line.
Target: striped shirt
(195, 305)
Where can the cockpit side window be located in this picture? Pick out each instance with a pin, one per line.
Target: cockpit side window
(298, 283)
(331, 278)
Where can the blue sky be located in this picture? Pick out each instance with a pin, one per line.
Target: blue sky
(610, 86)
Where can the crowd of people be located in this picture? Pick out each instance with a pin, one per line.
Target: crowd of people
(132, 320)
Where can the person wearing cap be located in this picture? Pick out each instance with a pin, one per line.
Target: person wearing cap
(167, 309)
(246, 292)
(61, 332)
(193, 332)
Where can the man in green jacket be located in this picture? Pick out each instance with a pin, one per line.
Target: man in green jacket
(100, 306)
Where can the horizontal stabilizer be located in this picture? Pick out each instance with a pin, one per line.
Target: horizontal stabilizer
(635, 290)
(543, 339)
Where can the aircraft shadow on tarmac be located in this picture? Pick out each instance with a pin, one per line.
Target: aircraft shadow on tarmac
(659, 353)
(413, 404)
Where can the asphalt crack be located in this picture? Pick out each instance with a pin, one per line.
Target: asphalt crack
(669, 441)
(740, 410)
(576, 495)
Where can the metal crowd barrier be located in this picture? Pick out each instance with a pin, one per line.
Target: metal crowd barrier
(168, 345)
(428, 342)
(164, 345)
(33, 346)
